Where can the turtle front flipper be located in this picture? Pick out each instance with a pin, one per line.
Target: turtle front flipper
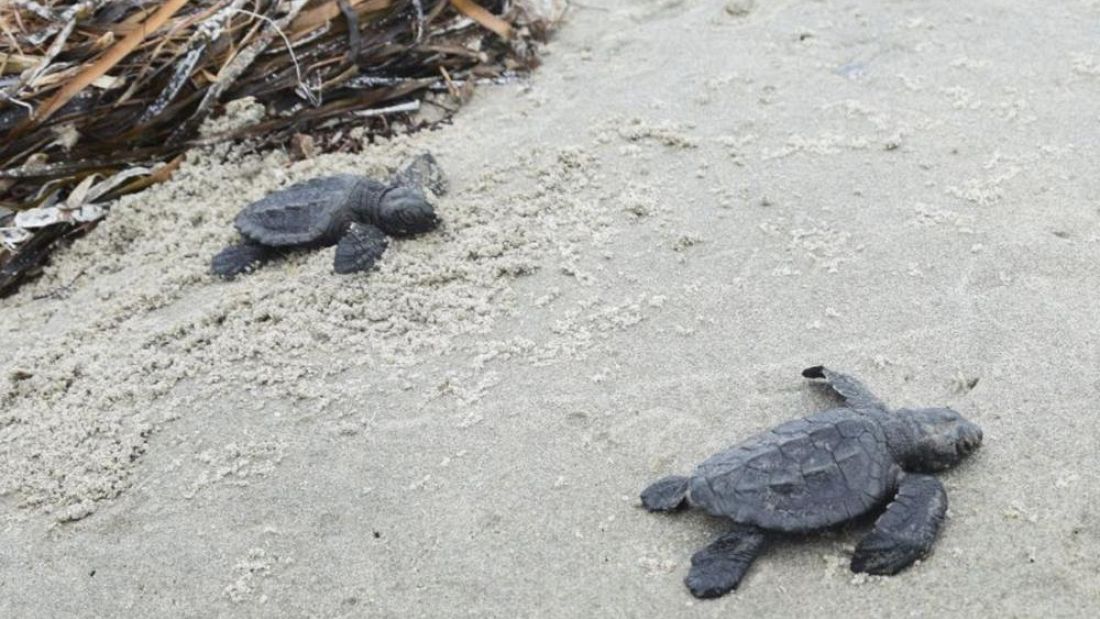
(666, 495)
(360, 247)
(848, 387)
(906, 531)
(718, 569)
(240, 258)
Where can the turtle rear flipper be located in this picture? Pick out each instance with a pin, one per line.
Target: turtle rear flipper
(719, 568)
(360, 247)
(907, 530)
(240, 258)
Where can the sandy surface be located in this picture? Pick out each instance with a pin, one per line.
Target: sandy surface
(643, 246)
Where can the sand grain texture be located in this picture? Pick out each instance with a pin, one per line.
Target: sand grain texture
(688, 203)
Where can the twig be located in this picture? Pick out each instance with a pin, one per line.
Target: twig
(409, 106)
(307, 92)
(476, 12)
(208, 32)
(352, 18)
(419, 20)
(450, 85)
(23, 104)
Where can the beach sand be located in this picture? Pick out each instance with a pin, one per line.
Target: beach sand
(644, 244)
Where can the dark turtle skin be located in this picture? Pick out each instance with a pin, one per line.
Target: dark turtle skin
(355, 213)
(821, 471)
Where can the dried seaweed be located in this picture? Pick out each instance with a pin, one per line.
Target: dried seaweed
(91, 90)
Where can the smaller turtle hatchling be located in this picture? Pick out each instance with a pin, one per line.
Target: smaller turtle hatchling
(821, 471)
(355, 213)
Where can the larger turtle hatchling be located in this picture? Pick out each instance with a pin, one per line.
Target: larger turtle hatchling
(820, 471)
(355, 213)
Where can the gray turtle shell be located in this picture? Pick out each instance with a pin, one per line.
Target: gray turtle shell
(314, 212)
(802, 475)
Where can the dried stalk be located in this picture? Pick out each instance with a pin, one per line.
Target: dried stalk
(477, 13)
(229, 74)
(106, 63)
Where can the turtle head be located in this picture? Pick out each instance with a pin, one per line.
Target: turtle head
(938, 438)
(405, 210)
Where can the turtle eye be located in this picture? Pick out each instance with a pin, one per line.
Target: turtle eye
(970, 438)
(964, 447)
(417, 218)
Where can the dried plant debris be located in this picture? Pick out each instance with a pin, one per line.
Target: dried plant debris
(116, 91)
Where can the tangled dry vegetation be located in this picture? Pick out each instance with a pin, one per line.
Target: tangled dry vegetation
(99, 98)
